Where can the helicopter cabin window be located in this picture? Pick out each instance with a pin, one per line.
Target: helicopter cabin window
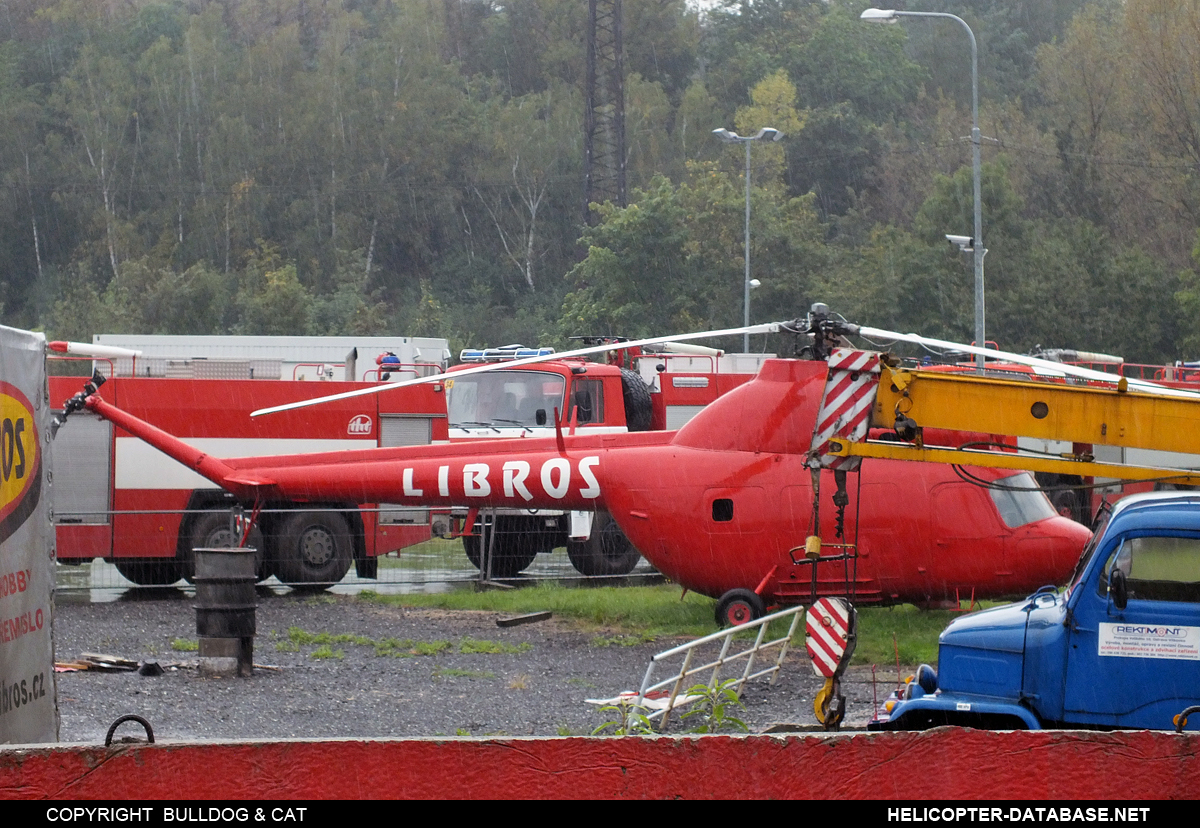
(1157, 569)
(722, 510)
(1019, 500)
(504, 399)
(587, 395)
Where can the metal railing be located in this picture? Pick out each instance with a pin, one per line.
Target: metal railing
(655, 694)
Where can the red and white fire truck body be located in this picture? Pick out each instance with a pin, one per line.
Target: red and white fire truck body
(118, 499)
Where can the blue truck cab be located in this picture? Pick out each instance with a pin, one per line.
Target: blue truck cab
(1119, 647)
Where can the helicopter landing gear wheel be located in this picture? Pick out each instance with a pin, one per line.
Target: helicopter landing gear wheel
(739, 606)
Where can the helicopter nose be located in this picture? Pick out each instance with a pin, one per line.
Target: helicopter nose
(1048, 551)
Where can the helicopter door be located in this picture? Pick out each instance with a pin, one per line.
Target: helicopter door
(969, 539)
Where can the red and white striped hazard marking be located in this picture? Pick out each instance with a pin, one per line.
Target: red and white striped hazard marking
(828, 629)
(846, 405)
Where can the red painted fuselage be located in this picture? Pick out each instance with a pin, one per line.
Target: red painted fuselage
(725, 502)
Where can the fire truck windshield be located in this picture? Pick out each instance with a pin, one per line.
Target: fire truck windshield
(504, 399)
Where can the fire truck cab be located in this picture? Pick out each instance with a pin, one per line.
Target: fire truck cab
(630, 391)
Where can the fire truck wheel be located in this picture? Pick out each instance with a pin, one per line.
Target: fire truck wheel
(211, 530)
(312, 548)
(638, 406)
(739, 606)
(512, 551)
(149, 572)
(606, 552)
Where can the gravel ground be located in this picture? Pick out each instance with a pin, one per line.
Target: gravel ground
(536, 686)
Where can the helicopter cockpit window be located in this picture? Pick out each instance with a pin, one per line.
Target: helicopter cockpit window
(1019, 501)
(1157, 569)
(503, 399)
(588, 398)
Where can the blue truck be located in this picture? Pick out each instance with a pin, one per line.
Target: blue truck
(1119, 647)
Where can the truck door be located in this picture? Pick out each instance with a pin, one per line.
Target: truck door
(401, 526)
(82, 488)
(1139, 666)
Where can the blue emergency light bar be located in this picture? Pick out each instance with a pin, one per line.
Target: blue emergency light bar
(501, 354)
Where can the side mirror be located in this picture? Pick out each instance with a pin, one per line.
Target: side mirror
(1118, 590)
(540, 417)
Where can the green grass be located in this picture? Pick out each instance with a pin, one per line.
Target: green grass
(626, 616)
(471, 645)
(387, 647)
(643, 610)
(185, 645)
(883, 630)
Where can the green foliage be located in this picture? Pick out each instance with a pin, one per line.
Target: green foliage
(631, 720)
(711, 711)
(417, 169)
(185, 645)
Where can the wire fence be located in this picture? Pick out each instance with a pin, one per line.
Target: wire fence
(434, 565)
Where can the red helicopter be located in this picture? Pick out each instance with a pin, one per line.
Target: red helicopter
(723, 505)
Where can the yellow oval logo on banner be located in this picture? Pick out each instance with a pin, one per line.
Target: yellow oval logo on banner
(20, 460)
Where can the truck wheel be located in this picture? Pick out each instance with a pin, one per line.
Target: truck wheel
(312, 548)
(514, 549)
(149, 571)
(638, 406)
(606, 552)
(739, 606)
(211, 530)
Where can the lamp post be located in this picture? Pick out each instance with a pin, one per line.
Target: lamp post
(733, 138)
(976, 241)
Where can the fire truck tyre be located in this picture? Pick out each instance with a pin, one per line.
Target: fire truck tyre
(606, 552)
(472, 548)
(512, 551)
(638, 407)
(211, 530)
(149, 572)
(739, 606)
(312, 548)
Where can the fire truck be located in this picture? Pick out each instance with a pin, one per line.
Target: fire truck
(116, 499)
(632, 390)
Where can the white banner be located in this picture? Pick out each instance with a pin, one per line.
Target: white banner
(28, 709)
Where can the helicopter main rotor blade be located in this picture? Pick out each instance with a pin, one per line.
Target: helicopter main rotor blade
(768, 327)
(1033, 362)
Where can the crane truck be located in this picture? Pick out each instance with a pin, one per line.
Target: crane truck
(1119, 647)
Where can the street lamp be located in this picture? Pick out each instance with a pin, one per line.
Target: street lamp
(733, 138)
(976, 241)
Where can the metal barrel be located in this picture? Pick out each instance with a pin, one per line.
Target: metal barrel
(225, 598)
(225, 610)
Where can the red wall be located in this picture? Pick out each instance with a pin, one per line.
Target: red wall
(940, 764)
